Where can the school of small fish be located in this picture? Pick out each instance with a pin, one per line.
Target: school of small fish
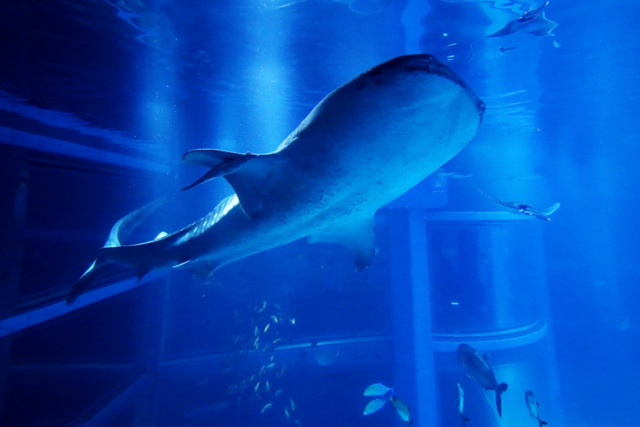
(258, 334)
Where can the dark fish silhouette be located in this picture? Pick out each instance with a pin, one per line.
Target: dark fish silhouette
(477, 368)
(504, 49)
(532, 21)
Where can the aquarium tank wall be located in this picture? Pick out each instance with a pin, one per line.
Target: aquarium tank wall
(319, 213)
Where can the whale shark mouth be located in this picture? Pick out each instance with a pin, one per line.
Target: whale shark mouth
(429, 64)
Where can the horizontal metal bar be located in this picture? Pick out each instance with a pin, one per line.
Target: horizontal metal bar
(498, 340)
(475, 217)
(40, 315)
(46, 144)
(357, 352)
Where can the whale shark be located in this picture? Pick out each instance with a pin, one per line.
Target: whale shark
(365, 144)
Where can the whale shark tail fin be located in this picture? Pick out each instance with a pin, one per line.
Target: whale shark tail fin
(120, 230)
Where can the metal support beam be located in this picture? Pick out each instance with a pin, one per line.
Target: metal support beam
(46, 144)
(40, 315)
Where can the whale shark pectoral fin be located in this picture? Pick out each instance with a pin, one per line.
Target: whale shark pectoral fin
(357, 235)
(221, 163)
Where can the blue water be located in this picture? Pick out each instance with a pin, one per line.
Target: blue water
(99, 99)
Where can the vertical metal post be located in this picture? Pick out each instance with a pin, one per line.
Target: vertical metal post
(413, 342)
(14, 176)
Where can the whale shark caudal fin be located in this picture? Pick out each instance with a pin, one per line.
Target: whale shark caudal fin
(120, 230)
(357, 235)
(501, 389)
(241, 171)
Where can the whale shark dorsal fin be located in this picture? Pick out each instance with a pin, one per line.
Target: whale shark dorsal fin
(221, 162)
(242, 172)
(357, 235)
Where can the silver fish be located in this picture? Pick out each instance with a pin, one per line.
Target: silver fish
(532, 405)
(377, 389)
(476, 366)
(374, 406)
(401, 409)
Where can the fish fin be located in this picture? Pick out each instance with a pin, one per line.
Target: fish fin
(244, 172)
(161, 235)
(85, 280)
(141, 272)
(120, 230)
(543, 423)
(221, 163)
(501, 389)
(357, 235)
(550, 210)
(182, 264)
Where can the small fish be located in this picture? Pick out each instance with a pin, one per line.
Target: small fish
(282, 370)
(267, 385)
(402, 409)
(266, 407)
(504, 49)
(257, 387)
(532, 404)
(236, 339)
(277, 393)
(378, 389)
(293, 406)
(266, 328)
(277, 306)
(277, 340)
(374, 406)
(293, 320)
(477, 367)
(274, 318)
(255, 343)
(286, 414)
(461, 404)
(270, 366)
(264, 305)
(255, 331)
